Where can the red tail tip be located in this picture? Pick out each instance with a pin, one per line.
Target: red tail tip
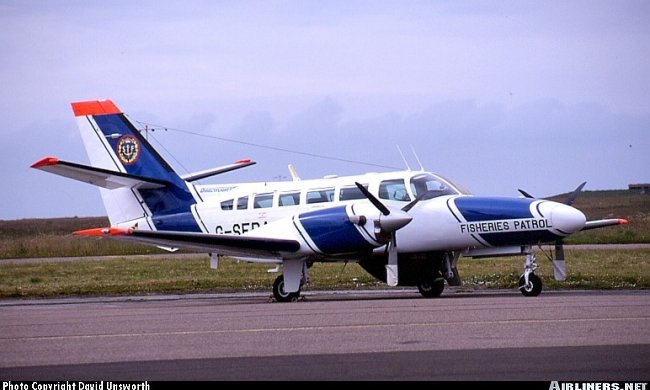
(46, 161)
(107, 231)
(95, 107)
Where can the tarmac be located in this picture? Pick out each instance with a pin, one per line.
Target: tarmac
(389, 334)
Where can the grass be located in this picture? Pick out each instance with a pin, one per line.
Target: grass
(631, 205)
(34, 238)
(591, 269)
(144, 276)
(51, 238)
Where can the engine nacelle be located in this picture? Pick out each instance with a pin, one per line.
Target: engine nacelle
(337, 231)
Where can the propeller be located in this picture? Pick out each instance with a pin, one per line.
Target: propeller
(422, 196)
(572, 197)
(559, 265)
(525, 194)
(389, 222)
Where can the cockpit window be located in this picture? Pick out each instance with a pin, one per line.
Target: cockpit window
(431, 186)
(394, 190)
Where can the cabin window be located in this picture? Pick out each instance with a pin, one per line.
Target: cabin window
(242, 203)
(289, 199)
(350, 193)
(226, 205)
(431, 186)
(393, 190)
(263, 201)
(319, 196)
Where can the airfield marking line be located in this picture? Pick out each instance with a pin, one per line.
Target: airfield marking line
(323, 328)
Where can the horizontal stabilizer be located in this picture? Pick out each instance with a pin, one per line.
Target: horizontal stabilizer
(97, 176)
(217, 171)
(603, 223)
(217, 243)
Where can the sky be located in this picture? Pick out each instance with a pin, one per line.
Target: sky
(494, 95)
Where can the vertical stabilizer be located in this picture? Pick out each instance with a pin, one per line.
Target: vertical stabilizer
(113, 143)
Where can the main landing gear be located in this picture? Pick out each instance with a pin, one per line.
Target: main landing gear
(295, 275)
(282, 296)
(530, 284)
(432, 288)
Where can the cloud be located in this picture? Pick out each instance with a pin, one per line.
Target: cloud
(500, 96)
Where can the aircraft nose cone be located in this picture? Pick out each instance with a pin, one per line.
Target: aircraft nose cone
(567, 219)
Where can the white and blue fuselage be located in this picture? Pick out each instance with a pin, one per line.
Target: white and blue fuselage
(414, 223)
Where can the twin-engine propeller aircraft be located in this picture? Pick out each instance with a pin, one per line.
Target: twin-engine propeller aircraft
(406, 228)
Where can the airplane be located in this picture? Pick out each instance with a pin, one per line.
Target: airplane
(405, 228)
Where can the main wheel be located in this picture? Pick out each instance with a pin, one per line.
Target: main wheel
(432, 288)
(281, 295)
(534, 286)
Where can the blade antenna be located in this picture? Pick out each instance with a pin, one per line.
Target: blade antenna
(417, 158)
(403, 159)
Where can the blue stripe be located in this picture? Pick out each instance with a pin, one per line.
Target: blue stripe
(476, 208)
(170, 206)
(332, 232)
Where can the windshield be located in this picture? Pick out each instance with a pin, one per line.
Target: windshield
(432, 186)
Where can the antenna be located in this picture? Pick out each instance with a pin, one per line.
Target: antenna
(294, 173)
(403, 159)
(416, 157)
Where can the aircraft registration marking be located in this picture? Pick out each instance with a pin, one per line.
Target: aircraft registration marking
(238, 228)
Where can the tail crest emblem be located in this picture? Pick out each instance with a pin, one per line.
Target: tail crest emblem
(128, 150)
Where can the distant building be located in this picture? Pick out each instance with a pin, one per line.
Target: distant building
(645, 188)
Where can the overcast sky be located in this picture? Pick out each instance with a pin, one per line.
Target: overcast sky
(496, 95)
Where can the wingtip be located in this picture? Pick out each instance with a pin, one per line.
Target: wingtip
(622, 221)
(45, 162)
(107, 231)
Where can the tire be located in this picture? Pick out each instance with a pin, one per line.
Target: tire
(282, 296)
(433, 288)
(534, 287)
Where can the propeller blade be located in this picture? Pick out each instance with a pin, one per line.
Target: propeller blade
(376, 202)
(559, 265)
(572, 197)
(422, 196)
(526, 194)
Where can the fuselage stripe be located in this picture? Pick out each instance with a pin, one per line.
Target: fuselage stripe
(452, 211)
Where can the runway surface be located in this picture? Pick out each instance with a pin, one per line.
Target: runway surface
(388, 334)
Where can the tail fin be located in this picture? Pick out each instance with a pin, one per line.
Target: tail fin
(114, 144)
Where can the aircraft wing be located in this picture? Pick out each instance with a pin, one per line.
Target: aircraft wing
(97, 176)
(217, 243)
(603, 223)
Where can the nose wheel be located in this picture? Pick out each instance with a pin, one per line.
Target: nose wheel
(282, 296)
(534, 286)
(530, 284)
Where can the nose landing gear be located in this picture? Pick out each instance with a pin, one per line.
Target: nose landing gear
(530, 284)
